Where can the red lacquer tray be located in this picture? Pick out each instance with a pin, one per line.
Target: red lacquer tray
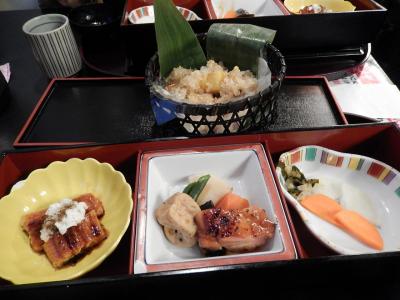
(379, 141)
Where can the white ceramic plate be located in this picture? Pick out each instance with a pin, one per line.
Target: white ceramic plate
(257, 7)
(169, 173)
(377, 182)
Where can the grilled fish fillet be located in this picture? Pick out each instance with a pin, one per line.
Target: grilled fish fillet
(32, 223)
(76, 241)
(235, 230)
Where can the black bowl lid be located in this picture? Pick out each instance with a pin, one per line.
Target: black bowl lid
(93, 15)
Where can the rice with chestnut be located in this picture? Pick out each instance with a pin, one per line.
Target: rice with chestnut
(212, 84)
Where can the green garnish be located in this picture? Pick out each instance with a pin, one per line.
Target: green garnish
(194, 189)
(295, 180)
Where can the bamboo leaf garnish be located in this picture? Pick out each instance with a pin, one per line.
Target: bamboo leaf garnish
(238, 44)
(177, 43)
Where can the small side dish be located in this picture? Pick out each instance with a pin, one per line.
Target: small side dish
(63, 221)
(318, 6)
(67, 230)
(243, 8)
(207, 207)
(314, 9)
(348, 201)
(208, 212)
(308, 193)
(145, 15)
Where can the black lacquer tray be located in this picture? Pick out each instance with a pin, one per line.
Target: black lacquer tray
(96, 110)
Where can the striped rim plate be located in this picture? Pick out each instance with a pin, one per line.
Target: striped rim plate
(145, 14)
(377, 182)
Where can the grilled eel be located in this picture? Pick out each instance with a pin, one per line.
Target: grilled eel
(32, 223)
(78, 239)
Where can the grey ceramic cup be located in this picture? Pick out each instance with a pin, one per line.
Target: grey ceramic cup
(53, 45)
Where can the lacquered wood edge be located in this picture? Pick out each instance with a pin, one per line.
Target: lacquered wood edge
(41, 102)
(292, 228)
(210, 10)
(282, 7)
(270, 180)
(124, 18)
(265, 267)
(134, 213)
(333, 101)
(33, 113)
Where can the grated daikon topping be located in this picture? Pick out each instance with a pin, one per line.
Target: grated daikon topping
(62, 215)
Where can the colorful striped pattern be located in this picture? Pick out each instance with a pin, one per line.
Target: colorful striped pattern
(397, 192)
(185, 13)
(144, 11)
(355, 163)
(140, 12)
(310, 154)
(292, 157)
(295, 157)
(376, 170)
(381, 173)
(147, 11)
(331, 159)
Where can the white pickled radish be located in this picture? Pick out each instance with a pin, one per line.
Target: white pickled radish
(329, 188)
(356, 200)
(349, 197)
(214, 190)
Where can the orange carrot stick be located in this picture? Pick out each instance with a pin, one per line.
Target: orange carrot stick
(360, 228)
(351, 222)
(323, 206)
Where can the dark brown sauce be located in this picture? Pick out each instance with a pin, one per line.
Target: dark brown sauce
(77, 258)
(220, 223)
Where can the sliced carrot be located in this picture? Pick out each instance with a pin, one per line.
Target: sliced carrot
(323, 206)
(230, 14)
(232, 201)
(359, 227)
(350, 221)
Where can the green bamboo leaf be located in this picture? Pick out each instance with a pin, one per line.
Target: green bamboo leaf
(177, 43)
(238, 44)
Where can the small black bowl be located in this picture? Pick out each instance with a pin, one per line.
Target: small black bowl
(94, 18)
